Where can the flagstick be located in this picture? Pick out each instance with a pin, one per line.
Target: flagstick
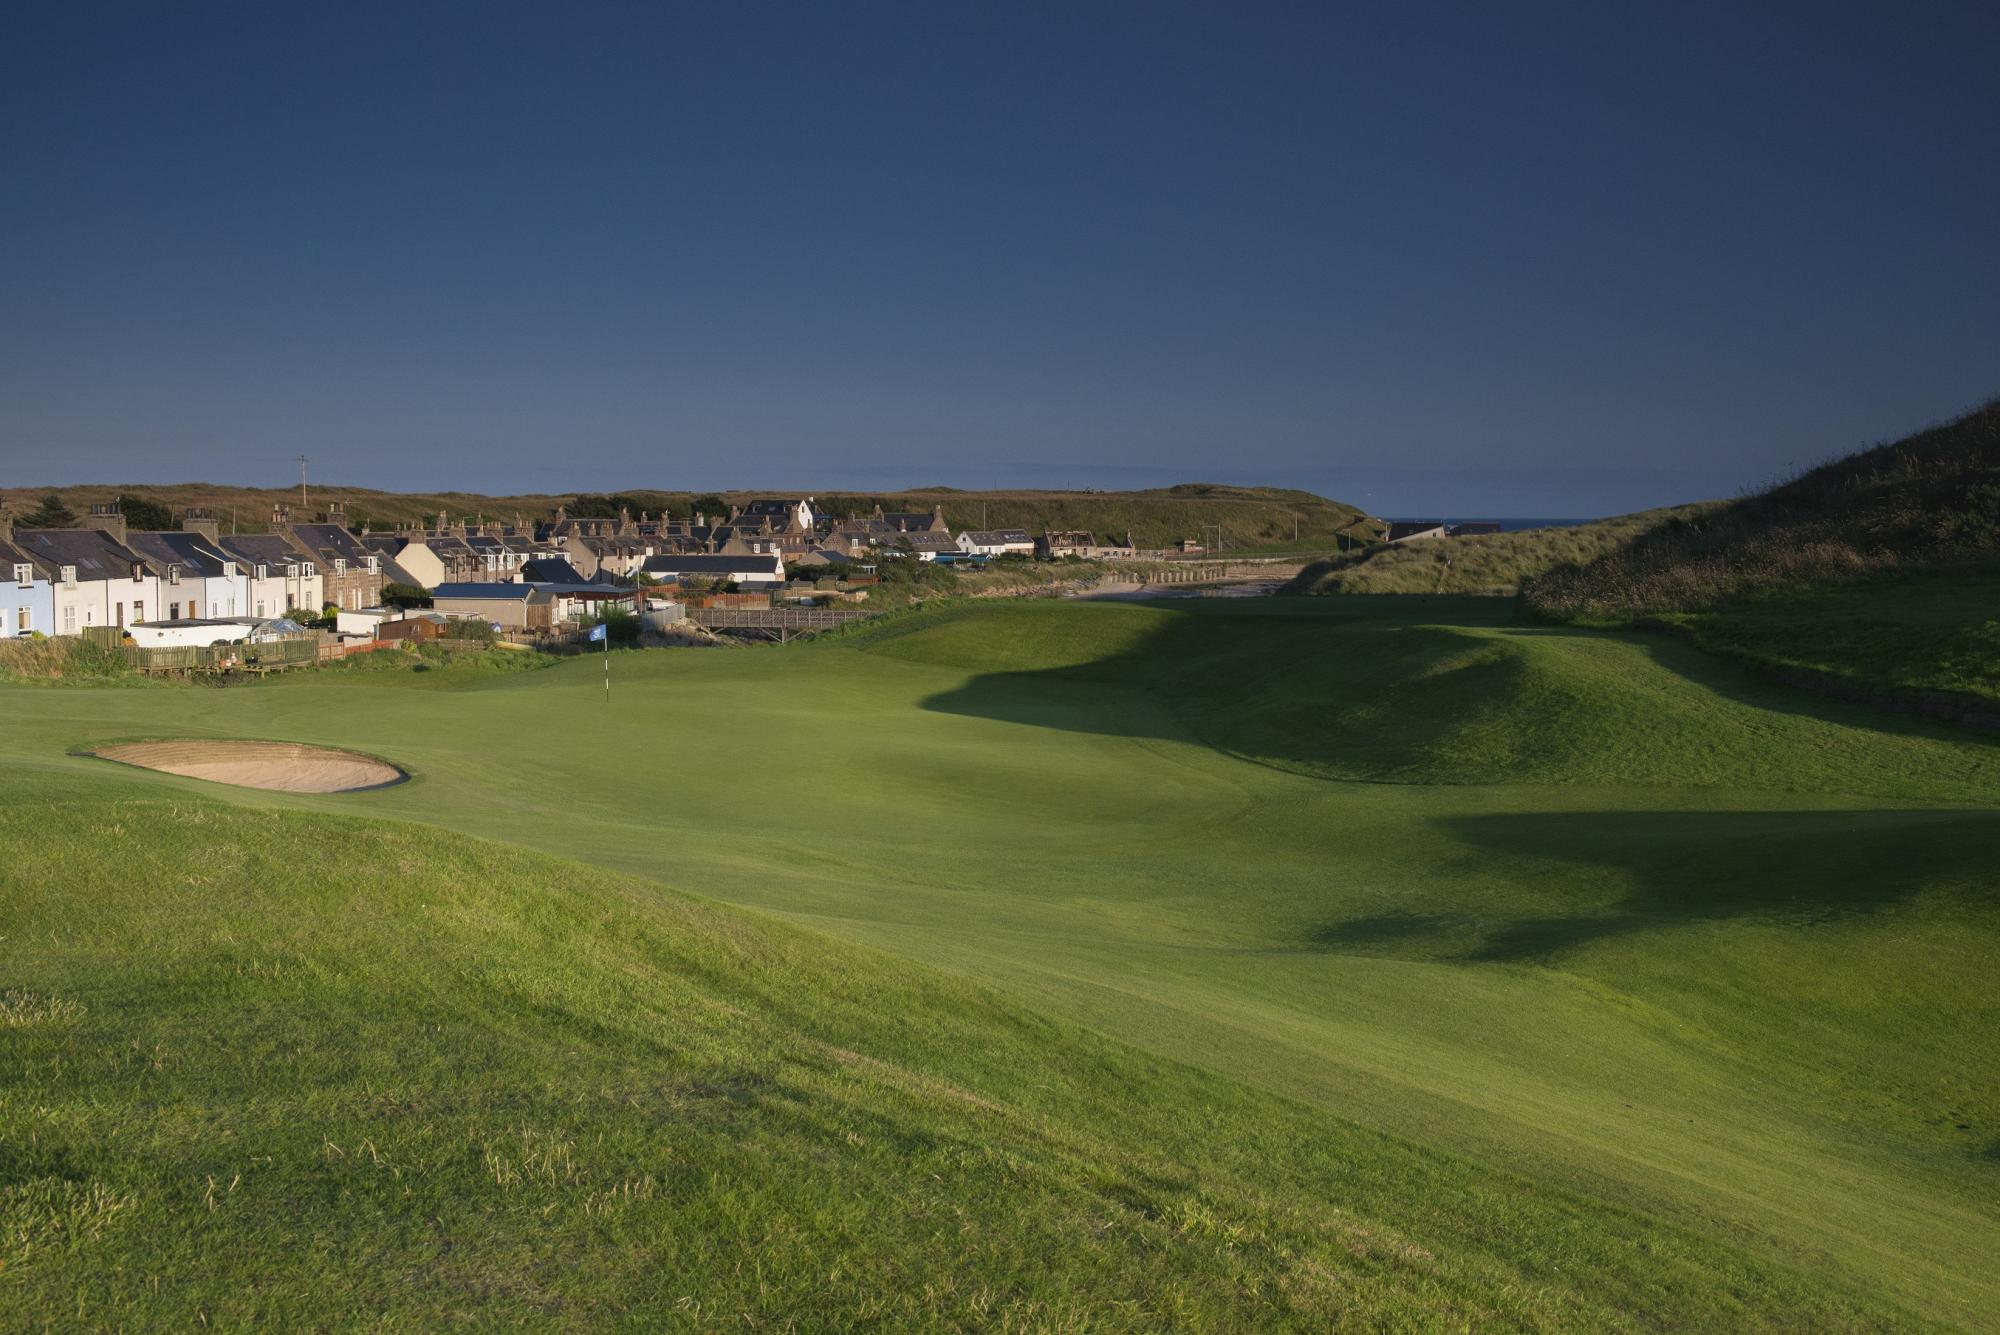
(607, 661)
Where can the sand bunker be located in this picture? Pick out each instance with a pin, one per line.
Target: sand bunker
(285, 766)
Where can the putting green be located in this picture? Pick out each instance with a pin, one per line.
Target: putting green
(1617, 924)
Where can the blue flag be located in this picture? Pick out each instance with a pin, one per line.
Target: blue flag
(598, 631)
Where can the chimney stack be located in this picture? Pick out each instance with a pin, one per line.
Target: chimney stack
(6, 520)
(281, 518)
(106, 517)
(202, 522)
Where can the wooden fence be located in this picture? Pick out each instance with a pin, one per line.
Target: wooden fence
(267, 656)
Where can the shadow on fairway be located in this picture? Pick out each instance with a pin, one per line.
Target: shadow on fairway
(1406, 690)
(1604, 875)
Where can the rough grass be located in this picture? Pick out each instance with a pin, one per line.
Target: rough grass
(1932, 499)
(62, 658)
(1311, 962)
(1492, 564)
(1873, 574)
(346, 1072)
(435, 664)
(1915, 636)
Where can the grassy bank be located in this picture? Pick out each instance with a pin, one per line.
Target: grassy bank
(1930, 500)
(1492, 564)
(1311, 962)
(1874, 573)
(1901, 637)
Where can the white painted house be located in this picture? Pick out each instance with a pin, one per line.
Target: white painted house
(280, 577)
(96, 580)
(997, 542)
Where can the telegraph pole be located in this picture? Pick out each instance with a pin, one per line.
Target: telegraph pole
(302, 482)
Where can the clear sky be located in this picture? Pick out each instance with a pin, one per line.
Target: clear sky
(1500, 259)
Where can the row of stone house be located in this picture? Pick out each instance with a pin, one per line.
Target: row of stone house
(103, 573)
(791, 528)
(60, 581)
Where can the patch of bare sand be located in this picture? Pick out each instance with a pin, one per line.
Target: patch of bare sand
(285, 767)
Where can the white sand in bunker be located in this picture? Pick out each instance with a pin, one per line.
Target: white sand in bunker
(284, 766)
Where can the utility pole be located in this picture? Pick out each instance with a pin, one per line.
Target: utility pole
(302, 482)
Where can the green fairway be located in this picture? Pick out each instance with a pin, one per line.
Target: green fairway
(1221, 963)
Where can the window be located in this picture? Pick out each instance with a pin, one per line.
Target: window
(24, 574)
(340, 565)
(264, 572)
(174, 612)
(260, 609)
(307, 568)
(173, 574)
(24, 621)
(69, 578)
(69, 620)
(374, 564)
(138, 612)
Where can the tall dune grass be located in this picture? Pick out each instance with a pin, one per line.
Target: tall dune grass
(1493, 563)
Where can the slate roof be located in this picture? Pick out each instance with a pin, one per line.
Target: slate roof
(518, 593)
(712, 565)
(11, 556)
(551, 570)
(94, 553)
(264, 549)
(447, 545)
(997, 537)
(190, 551)
(1399, 531)
(330, 541)
(920, 542)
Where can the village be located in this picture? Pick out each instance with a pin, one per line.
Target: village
(316, 587)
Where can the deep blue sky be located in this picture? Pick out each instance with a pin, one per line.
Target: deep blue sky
(1455, 259)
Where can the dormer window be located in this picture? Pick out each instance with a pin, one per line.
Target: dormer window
(308, 570)
(374, 564)
(173, 574)
(69, 577)
(340, 565)
(24, 574)
(263, 572)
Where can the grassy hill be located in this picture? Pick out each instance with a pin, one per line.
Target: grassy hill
(1873, 573)
(1488, 563)
(1249, 516)
(1307, 963)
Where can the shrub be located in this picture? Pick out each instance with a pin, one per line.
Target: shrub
(405, 595)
